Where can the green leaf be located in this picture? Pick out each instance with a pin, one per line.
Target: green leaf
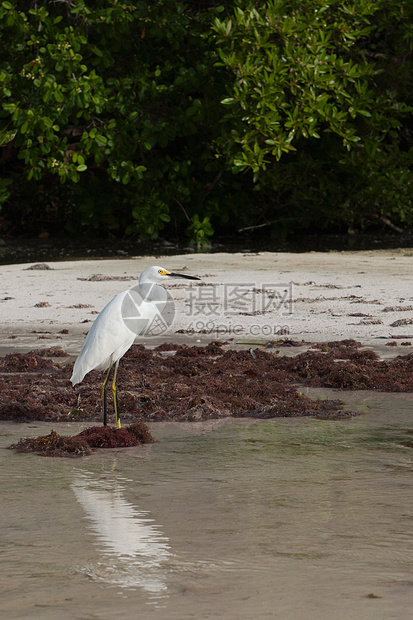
(101, 140)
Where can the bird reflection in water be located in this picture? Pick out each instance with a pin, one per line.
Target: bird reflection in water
(134, 549)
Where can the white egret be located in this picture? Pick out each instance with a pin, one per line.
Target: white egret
(129, 314)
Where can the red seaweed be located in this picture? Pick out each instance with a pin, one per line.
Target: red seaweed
(180, 382)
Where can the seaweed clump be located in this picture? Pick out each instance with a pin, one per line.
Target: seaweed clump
(84, 442)
(108, 437)
(183, 383)
(53, 445)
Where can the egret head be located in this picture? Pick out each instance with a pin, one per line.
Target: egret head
(156, 273)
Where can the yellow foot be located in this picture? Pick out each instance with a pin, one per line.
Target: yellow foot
(118, 424)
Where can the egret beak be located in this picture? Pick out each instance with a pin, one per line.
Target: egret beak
(181, 275)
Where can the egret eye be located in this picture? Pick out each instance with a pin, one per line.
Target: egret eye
(160, 271)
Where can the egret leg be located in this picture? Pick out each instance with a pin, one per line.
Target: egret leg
(115, 395)
(105, 409)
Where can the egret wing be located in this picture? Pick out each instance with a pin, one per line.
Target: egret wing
(107, 341)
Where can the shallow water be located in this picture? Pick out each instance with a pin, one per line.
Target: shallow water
(235, 519)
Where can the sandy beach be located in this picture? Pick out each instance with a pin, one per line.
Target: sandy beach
(243, 297)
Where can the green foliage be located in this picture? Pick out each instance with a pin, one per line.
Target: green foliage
(150, 215)
(322, 88)
(199, 232)
(106, 94)
(294, 77)
(4, 191)
(135, 116)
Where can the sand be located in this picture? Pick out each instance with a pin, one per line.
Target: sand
(244, 297)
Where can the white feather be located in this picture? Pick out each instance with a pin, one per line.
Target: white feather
(107, 341)
(110, 337)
